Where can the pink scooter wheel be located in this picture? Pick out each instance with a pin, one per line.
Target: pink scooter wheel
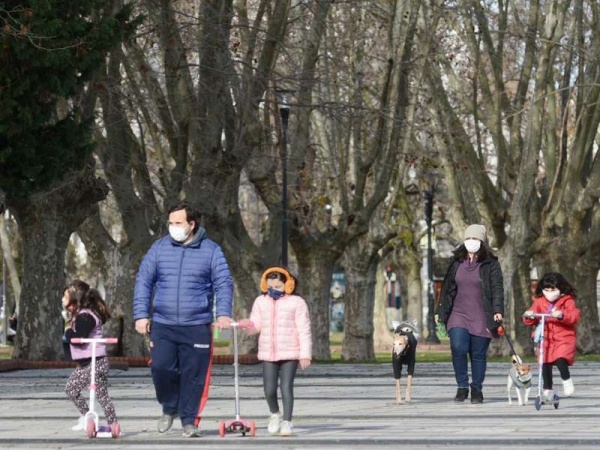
(252, 428)
(115, 429)
(90, 429)
(222, 429)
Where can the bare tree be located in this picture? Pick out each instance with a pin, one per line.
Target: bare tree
(520, 153)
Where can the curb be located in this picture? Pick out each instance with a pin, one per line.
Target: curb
(116, 362)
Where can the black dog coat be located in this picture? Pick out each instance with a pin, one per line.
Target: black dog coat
(408, 355)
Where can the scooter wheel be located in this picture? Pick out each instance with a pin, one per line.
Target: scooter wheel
(115, 430)
(90, 429)
(222, 429)
(538, 403)
(252, 428)
(556, 401)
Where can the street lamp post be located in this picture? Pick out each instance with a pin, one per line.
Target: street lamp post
(283, 99)
(431, 334)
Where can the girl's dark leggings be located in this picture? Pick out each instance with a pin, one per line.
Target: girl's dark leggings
(284, 373)
(563, 368)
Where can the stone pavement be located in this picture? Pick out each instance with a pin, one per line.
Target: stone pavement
(341, 406)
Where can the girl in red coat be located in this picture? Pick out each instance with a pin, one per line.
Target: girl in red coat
(555, 296)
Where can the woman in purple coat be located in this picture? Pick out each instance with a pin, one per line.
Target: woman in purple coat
(471, 306)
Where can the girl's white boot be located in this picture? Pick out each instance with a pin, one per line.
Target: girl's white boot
(568, 388)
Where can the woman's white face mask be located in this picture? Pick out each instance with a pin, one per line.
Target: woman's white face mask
(551, 295)
(472, 245)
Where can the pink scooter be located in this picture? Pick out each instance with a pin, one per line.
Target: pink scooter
(92, 428)
(237, 425)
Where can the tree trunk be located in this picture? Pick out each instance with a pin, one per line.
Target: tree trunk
(316, 269)
(246, 291)
(517, 299)
(119, 295)
(413, 302)
(361, 273)
(382, 338)
(584, 279)
(47, 221)
(40, 322)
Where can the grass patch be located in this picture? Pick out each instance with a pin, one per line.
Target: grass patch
(386, 358)
(6, 352)
(336, 338)
(221, 343)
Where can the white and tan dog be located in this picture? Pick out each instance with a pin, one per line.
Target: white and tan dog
(519, 376)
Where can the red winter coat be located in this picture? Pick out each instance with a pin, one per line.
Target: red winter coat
(560, 336)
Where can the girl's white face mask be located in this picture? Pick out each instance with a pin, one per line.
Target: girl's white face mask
(552, 295)
(472, 245)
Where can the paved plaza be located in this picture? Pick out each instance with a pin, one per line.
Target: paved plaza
(341, 406)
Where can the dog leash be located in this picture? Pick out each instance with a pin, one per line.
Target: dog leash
(502, 332)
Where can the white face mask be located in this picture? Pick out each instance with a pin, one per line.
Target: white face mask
(179, 234)
(552, 296)
(472, 245)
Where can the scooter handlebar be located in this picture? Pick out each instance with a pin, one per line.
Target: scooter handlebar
(98, 341)
(534, 315)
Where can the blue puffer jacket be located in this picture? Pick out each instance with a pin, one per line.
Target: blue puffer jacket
(184, 280)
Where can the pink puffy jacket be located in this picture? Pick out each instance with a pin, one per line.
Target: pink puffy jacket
(284, 327)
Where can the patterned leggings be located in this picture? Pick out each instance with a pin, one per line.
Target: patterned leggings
(80, 379)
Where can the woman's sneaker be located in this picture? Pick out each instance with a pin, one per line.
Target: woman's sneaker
(274, 423)
(286, 428)
(80, 425)
(461, 394)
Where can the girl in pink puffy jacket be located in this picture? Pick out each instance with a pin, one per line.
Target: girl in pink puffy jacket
(285, 340)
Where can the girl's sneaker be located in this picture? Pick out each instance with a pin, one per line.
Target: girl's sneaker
(80, 425)
(286, 428)
(568, 388)
(274, 423)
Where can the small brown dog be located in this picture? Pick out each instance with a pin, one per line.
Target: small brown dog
(519, 376)
(404, 351)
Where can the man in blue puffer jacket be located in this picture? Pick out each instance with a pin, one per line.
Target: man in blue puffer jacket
(175, 285)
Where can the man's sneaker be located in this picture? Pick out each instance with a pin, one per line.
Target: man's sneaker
(568, 388)
(80, 425)
(190, 431)
(165, 422)
(286, 428)
(274, 423)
